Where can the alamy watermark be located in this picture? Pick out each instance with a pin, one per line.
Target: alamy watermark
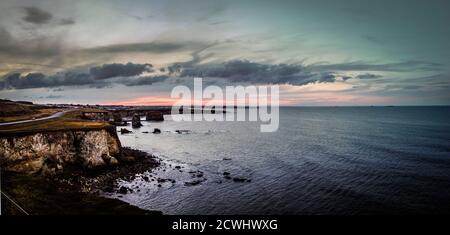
(237, 103)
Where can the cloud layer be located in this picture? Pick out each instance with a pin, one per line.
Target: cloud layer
(101, 76)
(119, 70)
(235, 71)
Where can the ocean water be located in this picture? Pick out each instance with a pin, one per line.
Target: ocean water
(322, 160)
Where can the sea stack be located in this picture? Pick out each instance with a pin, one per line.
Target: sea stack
(136, 121)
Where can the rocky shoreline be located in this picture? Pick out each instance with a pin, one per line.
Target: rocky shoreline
(77, 189)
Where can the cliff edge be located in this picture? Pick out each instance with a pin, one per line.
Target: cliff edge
(50, 152)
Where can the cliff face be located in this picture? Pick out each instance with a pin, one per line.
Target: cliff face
(49, 152)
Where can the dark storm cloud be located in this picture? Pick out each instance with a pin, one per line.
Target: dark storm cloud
(39, 80)
(31, 80)
(235, 71)
(141, 81)
(294, 74)
(119, 70)
(103, 76)
(251, 72)
(369, 76)
(72, 79)
(406, 66)
(36, 16)
(327, 78)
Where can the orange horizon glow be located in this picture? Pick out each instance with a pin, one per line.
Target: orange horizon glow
(287, 100)
(165, 101)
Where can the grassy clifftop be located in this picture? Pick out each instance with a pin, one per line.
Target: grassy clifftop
(71, 120)
(58, 124)
(11, 111)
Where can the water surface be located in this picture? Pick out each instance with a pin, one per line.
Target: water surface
(322, 160)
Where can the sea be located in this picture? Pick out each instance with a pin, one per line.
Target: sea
(321, 161)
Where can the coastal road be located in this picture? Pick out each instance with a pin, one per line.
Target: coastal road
(53, 116)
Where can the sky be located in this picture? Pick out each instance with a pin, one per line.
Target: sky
(320, 53)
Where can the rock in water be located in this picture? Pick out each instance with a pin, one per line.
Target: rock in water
(192, 183)
(136, 121)
(239, 179)
(123, 190)
(156, 131)
(125, 131)
(182, 131)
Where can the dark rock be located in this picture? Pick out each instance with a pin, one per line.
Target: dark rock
(159, 185)
(226, 159)
(238, 179)
(226, 173)
(125, 131)
(136, 121)
(108, 189)
(156, 131)
(127, 159)
(123, 190)
(182, 131)
(145, 178)
(200, 175)
(177, 167)
(227, 177)
(161, 180)
(145, 132)
(192, 183)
